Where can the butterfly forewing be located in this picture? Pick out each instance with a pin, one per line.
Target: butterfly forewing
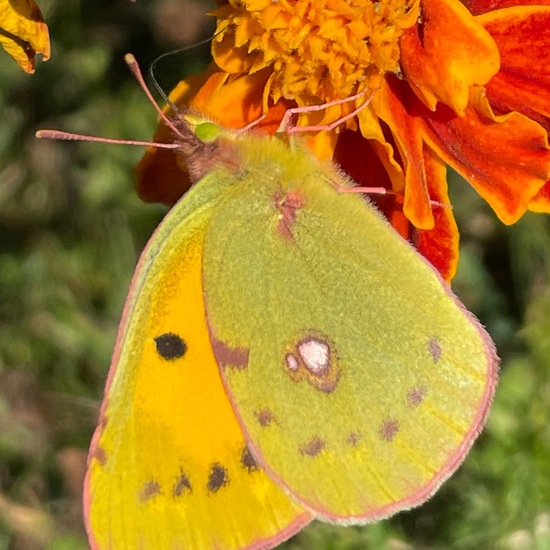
(169, 466)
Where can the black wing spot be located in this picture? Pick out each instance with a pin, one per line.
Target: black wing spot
(313, 447)
(170, 346)
(388, 429)
(248, 461)
(149, 490)
(434, 348)
(182, 485)
(217, 478)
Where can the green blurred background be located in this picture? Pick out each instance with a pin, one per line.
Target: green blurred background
(71, 229)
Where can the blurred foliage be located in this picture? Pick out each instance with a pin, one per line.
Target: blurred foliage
(70, 232)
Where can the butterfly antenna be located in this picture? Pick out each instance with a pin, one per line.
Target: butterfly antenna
(69, 136)
(165, 55)
(134, 67)
(156, 84)
(136, 71)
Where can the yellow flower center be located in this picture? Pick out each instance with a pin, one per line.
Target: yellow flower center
(319, 48)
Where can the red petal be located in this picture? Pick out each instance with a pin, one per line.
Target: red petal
(440, 244)
(506, 158)
(481, 6)
(357, 158)
(523, 82)
(159, 177)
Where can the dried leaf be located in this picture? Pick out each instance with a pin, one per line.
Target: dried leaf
(23, 32)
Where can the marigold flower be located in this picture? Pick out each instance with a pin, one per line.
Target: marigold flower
(458, 84)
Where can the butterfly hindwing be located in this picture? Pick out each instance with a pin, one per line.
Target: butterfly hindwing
(359, 379)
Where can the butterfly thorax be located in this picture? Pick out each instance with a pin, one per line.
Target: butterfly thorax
(250, 152)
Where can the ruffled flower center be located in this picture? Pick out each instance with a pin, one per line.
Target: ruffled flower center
(324, 49)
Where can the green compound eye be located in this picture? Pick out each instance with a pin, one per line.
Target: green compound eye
(207, 131)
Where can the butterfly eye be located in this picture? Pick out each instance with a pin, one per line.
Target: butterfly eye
(207, 131)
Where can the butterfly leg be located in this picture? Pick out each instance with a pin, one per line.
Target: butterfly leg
(287, 126)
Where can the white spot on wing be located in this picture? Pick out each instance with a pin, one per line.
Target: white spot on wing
(315, 354)
(291, 362)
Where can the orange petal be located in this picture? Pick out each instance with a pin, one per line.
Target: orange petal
(374, 129)
(233, 59)
(395, 96)
(506, 158)
(23, 32)
(523, 82)
(541, 201)
(446, 54)
(322, 143)
(234, 103)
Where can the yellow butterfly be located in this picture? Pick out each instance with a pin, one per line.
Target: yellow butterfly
(283, 354)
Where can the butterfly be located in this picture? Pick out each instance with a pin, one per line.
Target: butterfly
(283, 355)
